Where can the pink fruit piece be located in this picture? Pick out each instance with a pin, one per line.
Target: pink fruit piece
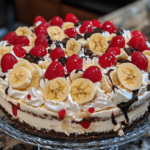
(56, 21)
(41, 29)
(71, 18)
(142, 46)
(21, 40)
(87, 26)
(62, 114)
(37, 19)
(117, 41)
(139, 33)
(109, 27)
(96, 23)
(41, 40)
(91, 110)
(71, 32)
(38, 51)
(114, 50)
(19, 51)
(10, 37)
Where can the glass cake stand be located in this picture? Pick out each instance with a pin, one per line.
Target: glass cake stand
(111, 143)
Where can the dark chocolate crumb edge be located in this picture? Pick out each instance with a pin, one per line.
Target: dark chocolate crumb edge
(72, 136)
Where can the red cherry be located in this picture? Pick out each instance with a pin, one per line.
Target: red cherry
(46, 25)
(139, 33)
(107, 60)
(41, 29)
(84, 124)
(7, 62)
(71, 18)
(135, 41)
(91, 110)
(140, 60)
(74, 62)
(109, 27)
(114, 50)
(29, 96)
(10, 37)
(62, 114)
(21, 40)
(117, 41)
(56, 21)
(37, 19)
(71, 32)
(142, 46)
(57, 53)
(19, 51)
(87, 26)
(54, 70)
(38, 51)
(41, 40)
(93, 73)
(96, 23)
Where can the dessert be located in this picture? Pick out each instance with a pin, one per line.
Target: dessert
(72, 79)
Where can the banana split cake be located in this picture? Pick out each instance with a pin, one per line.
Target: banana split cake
(73, 79)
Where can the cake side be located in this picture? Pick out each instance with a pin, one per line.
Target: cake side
(75, 78)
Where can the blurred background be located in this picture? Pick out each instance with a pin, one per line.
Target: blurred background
(14, 13)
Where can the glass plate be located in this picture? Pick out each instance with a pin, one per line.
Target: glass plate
(54, 143)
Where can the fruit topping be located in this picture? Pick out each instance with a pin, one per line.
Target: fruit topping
(56, 21)
(93, 73)
(38, 19)
(139, 33)
(19, 51)
(41, 29)
(41, 40)
(84, 124)
(15, 108)
(114, 50)
(98, 44)
(71, 32)
(136, 40)
(91, 110)
(7, 62)
(96, 23)
(38, 51)
(142, 46)
(21, 40)
(117, 41)
(107, 60)
(10, 37)
(74, 62)
(82, 90)
(57, 53)
(23, 31)
(62, 114)
(140, 60)
(129, 76)
(54, 70)
(109, 27)
(29, 96)
(87, 26)
(71, 18)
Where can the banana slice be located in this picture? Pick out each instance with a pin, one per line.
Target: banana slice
(23, 31)
(25, 64)
(44, 65)
(123, 55)
(146, 52)
(56, 89)
(32, 40)
(82, 90)
(68, 25)
(98, 44)
(72, 47)
(20, 78)
(56, 33)
(4, 50)
(114, 77)
(129, 76)
(106, 84)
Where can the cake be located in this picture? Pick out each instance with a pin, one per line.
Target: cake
(73, 79)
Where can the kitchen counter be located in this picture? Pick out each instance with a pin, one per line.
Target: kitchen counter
(133, 16)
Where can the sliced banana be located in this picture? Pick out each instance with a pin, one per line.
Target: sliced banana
(25, 64)
(106, 84)
(20, 78)
(32, 40)
(129, 76)
(72, 47)
(82, 90)
(56, 33)
(123, 55)
(114, 77)
(68, 25)
(23, 31)
(146, 52)
(56, 89)
(4, 50)
(98, 44)
(44, 65)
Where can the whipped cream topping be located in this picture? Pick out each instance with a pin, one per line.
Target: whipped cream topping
(36, 98)
(145, 78)
(3, 43)
(16, 93)
(126, 35)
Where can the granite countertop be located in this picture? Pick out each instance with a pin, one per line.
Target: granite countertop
(133, 16)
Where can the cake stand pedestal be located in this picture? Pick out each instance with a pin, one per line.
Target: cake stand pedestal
(111, 143)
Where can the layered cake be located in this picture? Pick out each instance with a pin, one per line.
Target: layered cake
(73, 79)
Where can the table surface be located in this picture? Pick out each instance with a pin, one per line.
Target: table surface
(133, 16)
